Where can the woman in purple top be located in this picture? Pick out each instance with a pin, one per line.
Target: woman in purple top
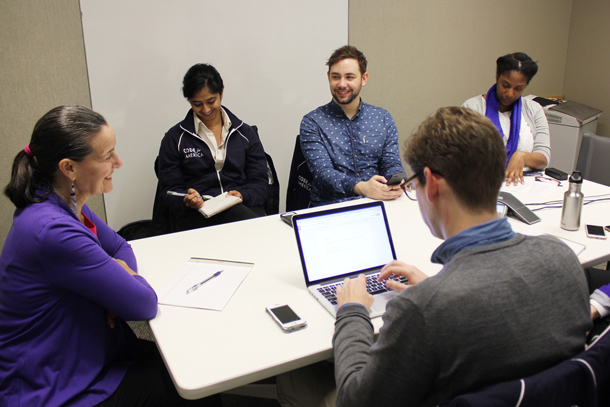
(68, 282)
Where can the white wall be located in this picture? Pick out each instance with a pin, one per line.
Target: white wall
(271, 55)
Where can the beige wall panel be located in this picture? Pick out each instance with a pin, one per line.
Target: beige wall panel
(43, 65)
(587, 80)
(427, 54)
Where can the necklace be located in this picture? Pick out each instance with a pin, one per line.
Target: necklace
(216, 125)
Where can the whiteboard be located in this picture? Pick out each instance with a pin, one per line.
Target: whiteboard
(271, 55)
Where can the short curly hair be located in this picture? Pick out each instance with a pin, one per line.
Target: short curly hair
(466, 149)
(345, 52)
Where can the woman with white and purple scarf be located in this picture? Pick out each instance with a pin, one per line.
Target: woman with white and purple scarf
(521, 121)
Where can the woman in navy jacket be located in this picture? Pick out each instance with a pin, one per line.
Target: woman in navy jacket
(210, 152)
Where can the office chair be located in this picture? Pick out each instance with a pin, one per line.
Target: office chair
(298, 195)
(272, 205)
(594, 158)
(160, 223)
(582, 381)
(161, 217)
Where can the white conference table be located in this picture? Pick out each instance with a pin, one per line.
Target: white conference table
(208, 352)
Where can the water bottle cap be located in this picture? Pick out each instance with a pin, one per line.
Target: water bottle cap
(576, 177)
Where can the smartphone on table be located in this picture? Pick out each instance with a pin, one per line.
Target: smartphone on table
(285, 317)
(595, 232)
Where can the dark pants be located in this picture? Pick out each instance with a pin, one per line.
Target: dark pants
(598, 278)
(193, 219)
(147, 383)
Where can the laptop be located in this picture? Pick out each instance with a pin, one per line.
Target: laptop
(345, 242)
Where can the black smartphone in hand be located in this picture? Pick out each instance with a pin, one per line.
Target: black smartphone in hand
(396, 179)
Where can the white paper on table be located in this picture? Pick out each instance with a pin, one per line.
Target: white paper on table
(530, 186)
(214, 294)
(576, 247)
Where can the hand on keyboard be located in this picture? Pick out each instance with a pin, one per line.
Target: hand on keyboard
(400, 269)
(373, 286)
(354, 291)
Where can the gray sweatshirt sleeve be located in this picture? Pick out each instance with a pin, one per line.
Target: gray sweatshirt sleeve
(396, 370)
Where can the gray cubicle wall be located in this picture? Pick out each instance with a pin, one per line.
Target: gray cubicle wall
(42, 65)
(271, 55)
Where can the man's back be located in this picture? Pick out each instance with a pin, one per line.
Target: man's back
(494, 313)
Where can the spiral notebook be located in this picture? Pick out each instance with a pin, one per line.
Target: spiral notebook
(218, 204)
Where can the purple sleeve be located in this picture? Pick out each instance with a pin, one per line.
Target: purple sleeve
(605, 289)
(111, 242)
(75, 260)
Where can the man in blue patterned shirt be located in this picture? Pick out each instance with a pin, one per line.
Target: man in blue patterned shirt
(351, 147)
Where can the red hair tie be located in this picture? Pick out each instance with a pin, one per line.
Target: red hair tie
(28, 151)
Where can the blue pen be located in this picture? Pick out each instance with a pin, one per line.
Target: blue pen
(196, 286)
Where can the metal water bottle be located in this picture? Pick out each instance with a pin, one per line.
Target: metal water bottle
(572, 203)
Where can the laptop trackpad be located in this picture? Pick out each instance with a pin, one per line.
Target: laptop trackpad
(381, 300)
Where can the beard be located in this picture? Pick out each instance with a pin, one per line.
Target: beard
(347, 101)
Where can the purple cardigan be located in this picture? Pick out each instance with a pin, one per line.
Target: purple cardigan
(57, 279)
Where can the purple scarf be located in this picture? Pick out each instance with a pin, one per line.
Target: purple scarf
(515, 120)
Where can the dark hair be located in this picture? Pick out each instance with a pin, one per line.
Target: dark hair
(466, 149)
(64, 132)
(201, 76)
(517, 61)
(345, 52)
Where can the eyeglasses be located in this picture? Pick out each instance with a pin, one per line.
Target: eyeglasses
(409, 184)
(547, 179)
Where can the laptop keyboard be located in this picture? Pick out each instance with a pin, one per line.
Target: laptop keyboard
(372, 286)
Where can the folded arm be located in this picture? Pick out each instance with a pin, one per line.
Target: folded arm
(75, 261)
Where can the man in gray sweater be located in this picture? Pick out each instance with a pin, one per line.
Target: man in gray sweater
(504, 305)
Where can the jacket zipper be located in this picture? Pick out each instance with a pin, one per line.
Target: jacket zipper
(226, 150)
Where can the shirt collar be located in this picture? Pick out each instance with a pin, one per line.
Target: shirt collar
(336, 109)
(495, 231)
(225, 119)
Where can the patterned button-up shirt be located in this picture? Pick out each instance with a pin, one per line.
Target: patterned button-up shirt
(341, 152)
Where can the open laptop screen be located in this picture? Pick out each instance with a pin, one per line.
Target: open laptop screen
(343, 241)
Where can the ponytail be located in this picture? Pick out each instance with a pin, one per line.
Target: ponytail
(64, 132)
(21, 189)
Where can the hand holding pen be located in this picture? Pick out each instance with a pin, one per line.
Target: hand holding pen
(192, 199)
(196, 286)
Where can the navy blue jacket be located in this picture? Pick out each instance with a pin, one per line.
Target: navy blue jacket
(185, 161)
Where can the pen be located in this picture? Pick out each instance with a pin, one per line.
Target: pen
(196, 286)
(174, 193)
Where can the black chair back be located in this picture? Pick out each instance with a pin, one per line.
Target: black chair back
(298, 195)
